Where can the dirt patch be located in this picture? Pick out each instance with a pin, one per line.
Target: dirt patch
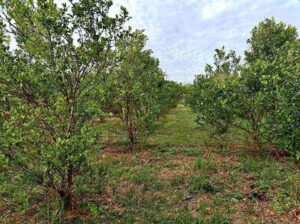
(182, 166)
(193, 203)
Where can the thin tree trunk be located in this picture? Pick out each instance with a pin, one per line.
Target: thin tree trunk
(256, 137)
(130, 135)
(66, 193)
(66, 198)
(129, 123)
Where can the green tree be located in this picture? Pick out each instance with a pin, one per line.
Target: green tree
(284, 121)
(170, 94)
(270, 67)
(255, 100)
(49, 83)
(212, 94)
(132, 88)
(262, 96)
(266, 38)
(225, 64)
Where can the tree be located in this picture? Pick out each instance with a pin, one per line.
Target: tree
(47, 80)
(266, 38)
(255, 100)
(284, 121)
(262, 96)
(132, 88)
(266, 73)
(213, 94)
(170, 93)
(225, 64)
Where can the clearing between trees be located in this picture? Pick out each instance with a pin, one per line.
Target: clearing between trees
(183, 175)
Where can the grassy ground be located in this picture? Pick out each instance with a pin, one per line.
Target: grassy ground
(185, 175)
(178, 129)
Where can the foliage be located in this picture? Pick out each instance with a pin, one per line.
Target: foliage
(261, 96)
(170, 94)
(283, 122)
(162, 186)
(62, 67)
(267, 38)
(214, 93)
(49, 80)
(271, 79)
(132, 88)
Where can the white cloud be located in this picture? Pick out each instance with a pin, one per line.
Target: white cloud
(216, 7)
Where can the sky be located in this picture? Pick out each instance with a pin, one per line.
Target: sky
(184, 33)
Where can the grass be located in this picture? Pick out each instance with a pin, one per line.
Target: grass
(178, 128)
(183, 175)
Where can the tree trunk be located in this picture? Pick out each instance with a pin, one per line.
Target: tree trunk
(131, 136)
(66, 193)
(256, 132)
(129, 123)
(67, 202)
(66, 198)
(255, 137)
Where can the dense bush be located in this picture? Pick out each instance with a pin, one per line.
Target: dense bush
(284, 121)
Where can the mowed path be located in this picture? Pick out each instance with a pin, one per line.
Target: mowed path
(184, 175)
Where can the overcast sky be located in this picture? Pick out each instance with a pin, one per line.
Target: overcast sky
(184, 33)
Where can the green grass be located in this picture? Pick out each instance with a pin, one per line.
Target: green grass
(178, 128)
(204, 164)
(183, 175)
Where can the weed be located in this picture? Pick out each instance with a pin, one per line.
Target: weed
(147, 178)
(200, 184)
(204, 165)
(283, 202)
(178, 180)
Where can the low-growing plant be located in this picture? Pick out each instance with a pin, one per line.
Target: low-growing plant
(283, 202)
(178, 180)
(200, 183)
(197, 183)
(204, 164)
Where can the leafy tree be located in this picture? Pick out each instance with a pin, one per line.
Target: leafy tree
(225, 64)
(283, 122)
(255, 100)
(265, 75)
(266, 38)
(170, 93)
(213, 93)
(132, 88)
(49, 83)
(262, 96)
